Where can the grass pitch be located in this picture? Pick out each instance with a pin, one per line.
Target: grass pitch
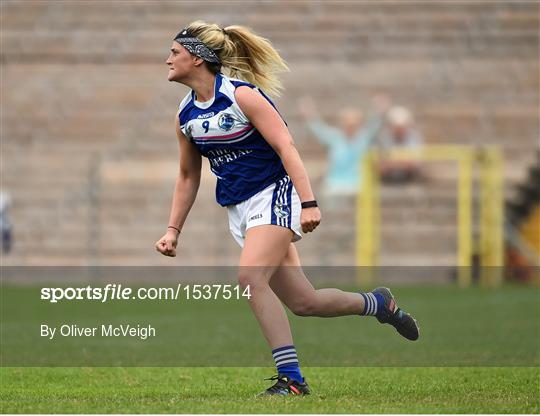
(232, 390)
(479, 352)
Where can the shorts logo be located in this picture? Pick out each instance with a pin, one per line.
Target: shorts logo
(281, 210)
(255, 217)
(226, 122)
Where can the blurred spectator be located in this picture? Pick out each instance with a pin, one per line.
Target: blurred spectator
(399, 133)
(5, 224)
(347, 143)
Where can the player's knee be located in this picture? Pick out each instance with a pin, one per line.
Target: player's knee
(252, 277)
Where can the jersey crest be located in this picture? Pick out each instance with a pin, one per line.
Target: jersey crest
(226, 121)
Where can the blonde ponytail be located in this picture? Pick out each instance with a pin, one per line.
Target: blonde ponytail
(243, 54)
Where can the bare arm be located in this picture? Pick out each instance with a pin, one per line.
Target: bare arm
(270, 124)
(188, 180)
(185, 192)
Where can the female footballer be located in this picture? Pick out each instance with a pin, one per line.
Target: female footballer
(262, 182)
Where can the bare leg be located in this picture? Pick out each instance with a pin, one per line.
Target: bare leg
(290, 284)
(264, 249)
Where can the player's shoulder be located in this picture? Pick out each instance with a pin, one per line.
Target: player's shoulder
(250, 91)
(248, 97)
(184, 108)
(185, 101)
(230, 86)
(241, 83)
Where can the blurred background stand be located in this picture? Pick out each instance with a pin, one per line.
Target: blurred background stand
(90, 156)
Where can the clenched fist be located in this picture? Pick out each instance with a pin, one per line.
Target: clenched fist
(310, 219)
(166, 245)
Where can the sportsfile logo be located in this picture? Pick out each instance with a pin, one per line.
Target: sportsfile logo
(113, 291)
(109, 292)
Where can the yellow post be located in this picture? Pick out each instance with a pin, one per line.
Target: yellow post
(365, 221)
(483, 235)
(363, 214)
(464, 243)
(376, 204)
(497, 205)
(491, 217)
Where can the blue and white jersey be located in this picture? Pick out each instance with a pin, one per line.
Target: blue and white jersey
(239, 156)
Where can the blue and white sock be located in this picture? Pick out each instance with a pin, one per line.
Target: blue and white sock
(373, 303)
(287, 362)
